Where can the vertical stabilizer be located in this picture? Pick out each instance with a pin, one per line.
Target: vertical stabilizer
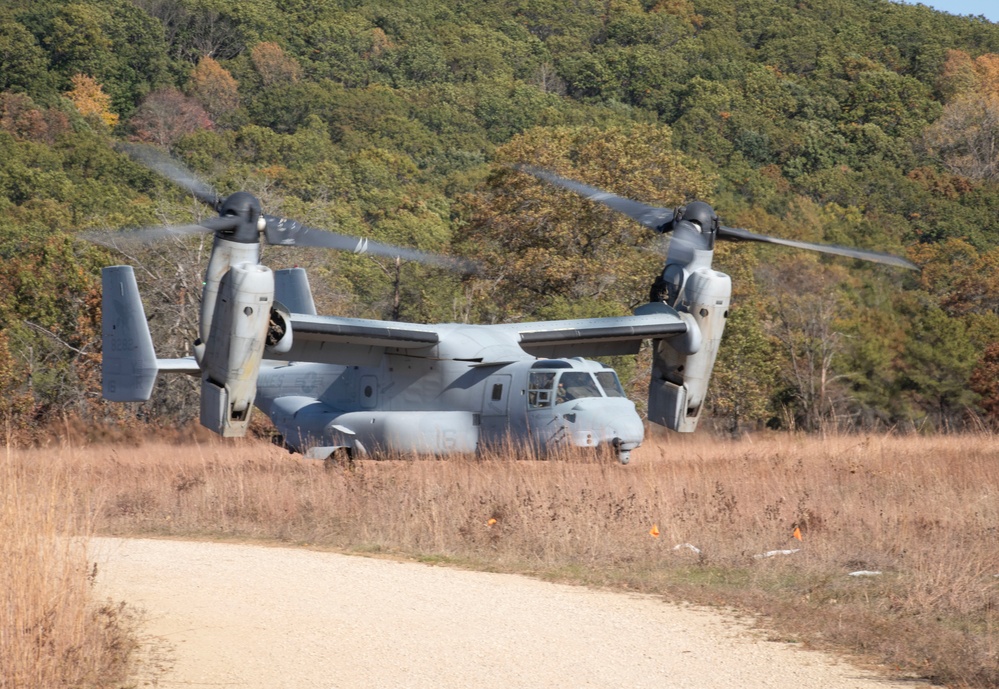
(128, 370)
(291, 288)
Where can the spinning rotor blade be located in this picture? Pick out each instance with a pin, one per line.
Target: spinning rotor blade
(663, 220)
(739, 235)
(288, 232)
(240, 213)
(154, 234)
(173, 171)
(651, 216)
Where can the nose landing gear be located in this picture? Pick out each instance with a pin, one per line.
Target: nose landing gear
(623, 450)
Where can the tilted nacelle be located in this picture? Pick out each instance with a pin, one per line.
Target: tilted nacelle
(231, 356)
(681, 367)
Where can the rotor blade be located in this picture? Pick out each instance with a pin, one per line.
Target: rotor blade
(650, 216)
(153, 234)
(159, 162)
(740, 235)
(288, 232)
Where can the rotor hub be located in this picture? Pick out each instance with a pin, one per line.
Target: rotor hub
(701, 214)
(245, 208)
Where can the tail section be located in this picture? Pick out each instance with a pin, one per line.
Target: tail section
(128, 371)
(291, 288)
(129, 367)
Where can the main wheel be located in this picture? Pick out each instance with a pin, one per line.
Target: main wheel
(340, 458)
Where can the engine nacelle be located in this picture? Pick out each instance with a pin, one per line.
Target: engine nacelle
(235, 347)
(680, 376)
(225, 255)
(279, 335)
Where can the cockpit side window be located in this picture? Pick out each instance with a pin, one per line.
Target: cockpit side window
(609, 382)
(574, 385)
(539, 389)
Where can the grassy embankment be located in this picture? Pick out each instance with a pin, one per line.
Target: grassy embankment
(923, 512)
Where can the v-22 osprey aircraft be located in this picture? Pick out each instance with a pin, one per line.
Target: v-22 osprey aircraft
(351, 387)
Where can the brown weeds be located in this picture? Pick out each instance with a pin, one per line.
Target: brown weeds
(917, 516)
(52, 632)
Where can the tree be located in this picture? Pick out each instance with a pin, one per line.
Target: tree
(213, 86)
(113, 41)
(77, 42)
(51, 325)
(966, 137)
(15, 402)
(899, 105)
(985, 381)
(744, 380)
(19, 116)
(549, 253)
(805, 320)
(23, 63)
(937, 363)
(167, 115)
(91, 101)
(273, 65)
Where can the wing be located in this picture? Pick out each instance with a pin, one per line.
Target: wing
(360, 331)
(352, 341)
(357, 341)
(600, 336)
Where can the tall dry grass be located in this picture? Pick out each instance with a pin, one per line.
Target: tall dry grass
(52, 632)
(923, 512)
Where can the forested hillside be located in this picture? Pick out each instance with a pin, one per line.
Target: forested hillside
(861, 122)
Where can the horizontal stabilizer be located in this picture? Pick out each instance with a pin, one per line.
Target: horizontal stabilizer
(184, 364)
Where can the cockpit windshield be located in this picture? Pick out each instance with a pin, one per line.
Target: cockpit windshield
(609, 382)
(544, 390)
(574, 385)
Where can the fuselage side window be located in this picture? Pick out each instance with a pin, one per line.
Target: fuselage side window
(539, 392)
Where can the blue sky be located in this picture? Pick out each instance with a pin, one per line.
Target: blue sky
(988, 8)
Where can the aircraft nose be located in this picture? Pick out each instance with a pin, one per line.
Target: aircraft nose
(612, 419)
(629, 428)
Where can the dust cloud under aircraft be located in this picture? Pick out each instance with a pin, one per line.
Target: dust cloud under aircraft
(337, 386)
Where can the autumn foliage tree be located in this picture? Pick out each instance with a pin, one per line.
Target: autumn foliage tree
(966, 137)
(90, 99)
(167, 115)
(214, 87)
(15, 402)
(20, 117)
(273, 65)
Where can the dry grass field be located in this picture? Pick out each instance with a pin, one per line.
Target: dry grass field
(919, 516)
(52, 632)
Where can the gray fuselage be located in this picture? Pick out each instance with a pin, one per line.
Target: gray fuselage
(409, 403)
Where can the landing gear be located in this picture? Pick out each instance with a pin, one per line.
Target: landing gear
(340, 458)
(623, 450)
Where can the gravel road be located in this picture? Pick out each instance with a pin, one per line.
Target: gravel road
(253, 616)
